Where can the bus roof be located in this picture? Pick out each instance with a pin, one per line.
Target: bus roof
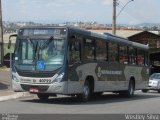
(107, 37)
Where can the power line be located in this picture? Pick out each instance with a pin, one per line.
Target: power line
(123, 7)
(114, 16)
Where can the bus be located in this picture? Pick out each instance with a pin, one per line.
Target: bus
(51, 60)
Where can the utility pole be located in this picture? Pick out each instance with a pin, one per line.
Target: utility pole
(114, 17)
(1, 36)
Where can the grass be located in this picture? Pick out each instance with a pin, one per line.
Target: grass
(6, 39)
(6, 50)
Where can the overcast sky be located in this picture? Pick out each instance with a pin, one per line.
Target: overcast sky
(58, 11)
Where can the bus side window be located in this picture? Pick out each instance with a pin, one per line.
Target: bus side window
(140, 57)
(146, 59)
(113, 52)
(123, 54)
(132, 55)
(89, 49)
(74, 50)
(101, 50)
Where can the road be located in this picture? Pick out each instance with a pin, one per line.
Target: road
(106, 104)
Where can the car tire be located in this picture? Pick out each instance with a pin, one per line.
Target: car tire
(159, 87)
(43, 97)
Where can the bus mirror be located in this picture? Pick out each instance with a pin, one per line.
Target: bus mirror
(9, 43)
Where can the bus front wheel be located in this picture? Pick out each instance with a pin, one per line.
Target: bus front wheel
(43, 97)
(86, 92)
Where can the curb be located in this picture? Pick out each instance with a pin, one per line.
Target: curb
(14, 96)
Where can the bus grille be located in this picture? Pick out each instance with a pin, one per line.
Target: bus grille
(34, 74)
(40, 88)
(41, 74)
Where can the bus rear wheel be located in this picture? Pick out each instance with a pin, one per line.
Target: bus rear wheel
(144, 90)
(130, 92)
(97, 94)
(43, 97)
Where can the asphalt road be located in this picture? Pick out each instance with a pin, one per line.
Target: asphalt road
(106, 104)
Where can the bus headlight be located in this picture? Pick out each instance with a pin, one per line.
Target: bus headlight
(15, 78)
(59, 77)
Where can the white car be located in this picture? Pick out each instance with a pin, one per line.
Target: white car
(154, 83)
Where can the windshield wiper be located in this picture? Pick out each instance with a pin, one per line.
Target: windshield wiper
(47, 42)
(35, 51)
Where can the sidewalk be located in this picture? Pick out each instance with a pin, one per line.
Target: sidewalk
(6, 93)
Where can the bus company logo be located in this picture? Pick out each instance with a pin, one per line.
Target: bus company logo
(23, 80)
(99, 73)
(34, 80)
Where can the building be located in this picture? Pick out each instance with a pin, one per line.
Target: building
(153, 40)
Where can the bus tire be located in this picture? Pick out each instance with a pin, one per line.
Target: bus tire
(98, 94)
(86, 92)
(130, 92)
(43, 97)
(144, 90)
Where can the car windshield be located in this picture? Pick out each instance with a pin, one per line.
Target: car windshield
(39, 54)
(155, 76)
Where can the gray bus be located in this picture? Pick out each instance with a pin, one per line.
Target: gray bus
(64, 60)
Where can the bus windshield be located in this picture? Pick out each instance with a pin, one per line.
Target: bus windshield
(39, 54)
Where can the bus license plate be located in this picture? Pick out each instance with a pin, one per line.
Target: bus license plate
(33, 90)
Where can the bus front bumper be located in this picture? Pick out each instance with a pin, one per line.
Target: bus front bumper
(57, 87)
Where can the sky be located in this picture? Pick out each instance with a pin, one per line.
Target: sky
(59, 11)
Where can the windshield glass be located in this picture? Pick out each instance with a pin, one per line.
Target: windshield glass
(39, 54)
(155, 76)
